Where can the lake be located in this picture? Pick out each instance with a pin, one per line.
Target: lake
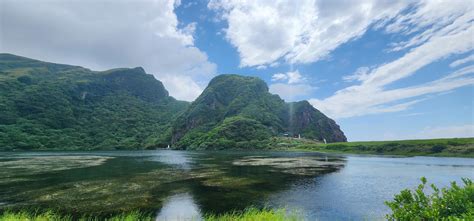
(186, 184)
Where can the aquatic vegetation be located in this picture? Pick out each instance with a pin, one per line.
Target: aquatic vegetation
(304, 166)
(229, 182)
(94, 192)
(453, 203)
(107, 195)
(41, 164)
(96, 184)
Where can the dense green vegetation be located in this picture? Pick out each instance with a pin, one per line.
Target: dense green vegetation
(456, 147)
(239, 112)
(454, 203)
(247, 215)
(62, 107)
(54, 106)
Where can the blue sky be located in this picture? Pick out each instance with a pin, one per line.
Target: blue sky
(383, 69)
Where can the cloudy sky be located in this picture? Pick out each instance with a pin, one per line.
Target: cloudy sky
(383, 69)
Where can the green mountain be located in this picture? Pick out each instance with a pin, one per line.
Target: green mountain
(54, 106)
(238, 111)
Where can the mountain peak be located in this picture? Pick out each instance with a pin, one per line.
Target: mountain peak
(247, 101)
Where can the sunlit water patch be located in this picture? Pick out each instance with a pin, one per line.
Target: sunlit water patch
(179, 159)
(180, 207)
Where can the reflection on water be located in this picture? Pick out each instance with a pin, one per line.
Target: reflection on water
(179, 159)
(182, 185)
(179, 207)
(358, 191)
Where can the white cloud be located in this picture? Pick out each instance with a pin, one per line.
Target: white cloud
(293, 77)
(359, 75)
(279, 77)
(456, 131)
(462, 61)
(306, 31)
(295, 86)
(368, 99)
(291, 92)
(429, 20)
(108, 34)
(413, 114)
(431, 132)
(370, 96)
(298, 31)
(183, 87)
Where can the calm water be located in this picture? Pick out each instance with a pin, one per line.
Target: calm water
(184, 185)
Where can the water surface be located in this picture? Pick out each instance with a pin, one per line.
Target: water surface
(186, 185)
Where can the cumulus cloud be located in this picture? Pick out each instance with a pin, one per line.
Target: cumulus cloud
(291, 85)
(279, 77)
(108, 34)
(293, 77)
(298, 31)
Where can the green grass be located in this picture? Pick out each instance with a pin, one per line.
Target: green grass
(453, 147)
(250, 214)
(253, 214)
(53, 216)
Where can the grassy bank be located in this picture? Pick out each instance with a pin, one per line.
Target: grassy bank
(454, 147)
(249, 214)
(53, 216)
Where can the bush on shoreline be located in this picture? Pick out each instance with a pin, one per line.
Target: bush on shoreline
(453, 203)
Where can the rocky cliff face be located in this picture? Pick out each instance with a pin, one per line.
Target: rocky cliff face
(307, 121)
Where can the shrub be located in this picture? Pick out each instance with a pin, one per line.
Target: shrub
(454, 203)
(336, 147)
(454, 143)
(437, 148)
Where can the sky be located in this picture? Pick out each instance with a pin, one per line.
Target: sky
(383, 69)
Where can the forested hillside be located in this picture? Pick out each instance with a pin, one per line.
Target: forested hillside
(53, 106)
